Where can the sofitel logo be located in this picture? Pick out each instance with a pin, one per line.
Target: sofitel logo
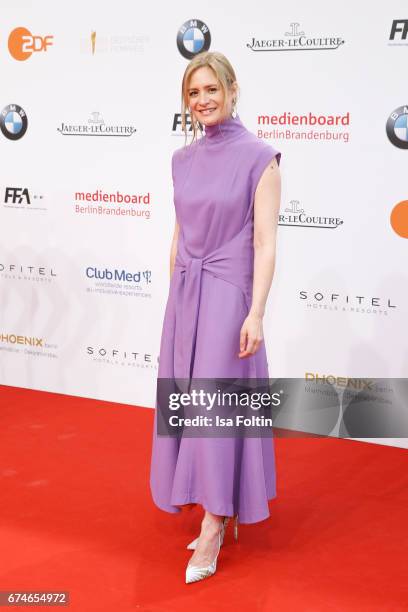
(96, 126)
(20, 272)
(347, 303)
(297, 217)
(114, 356)
(296, 40)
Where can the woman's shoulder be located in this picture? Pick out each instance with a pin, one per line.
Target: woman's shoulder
(188, 148)
(258, 152)
(184, 153)
(180, 157)
(258, 147)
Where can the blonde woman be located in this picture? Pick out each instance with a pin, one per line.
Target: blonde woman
(226, 197)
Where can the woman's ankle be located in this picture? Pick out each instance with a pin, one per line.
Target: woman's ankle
(212, 525)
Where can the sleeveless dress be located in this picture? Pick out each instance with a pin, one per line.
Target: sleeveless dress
(210, 294)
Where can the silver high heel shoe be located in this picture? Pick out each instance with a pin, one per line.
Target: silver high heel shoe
(193, 573)
(193, 544)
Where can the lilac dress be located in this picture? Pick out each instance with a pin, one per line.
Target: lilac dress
(210, 295)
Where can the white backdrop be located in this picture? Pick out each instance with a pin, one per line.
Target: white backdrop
(102, 100)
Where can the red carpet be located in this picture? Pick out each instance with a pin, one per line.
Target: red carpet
(77, 516)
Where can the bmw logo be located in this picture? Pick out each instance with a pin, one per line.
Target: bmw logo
(13, 122)
(397, 127)
(192, 38)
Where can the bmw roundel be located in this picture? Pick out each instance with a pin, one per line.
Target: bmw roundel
(13, 122)
(397, 127)
(192, 38)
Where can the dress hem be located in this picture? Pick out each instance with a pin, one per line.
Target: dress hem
(177, 508)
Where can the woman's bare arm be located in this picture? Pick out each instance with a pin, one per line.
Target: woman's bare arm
(266, 216)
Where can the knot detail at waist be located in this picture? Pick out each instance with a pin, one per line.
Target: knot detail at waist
(231, 262)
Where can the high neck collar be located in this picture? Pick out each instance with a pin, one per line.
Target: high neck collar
(224, 131)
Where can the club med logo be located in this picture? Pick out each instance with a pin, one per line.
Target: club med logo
(22, 44)
(296, 40)
(399, 33)
(399, 219)
(193, 37)
(295, 216)
(318, 300)
(397, 127)
(316, 126)
(119, 275)
(19, 197)
(13, 122)
(119, 283)
(96, 126)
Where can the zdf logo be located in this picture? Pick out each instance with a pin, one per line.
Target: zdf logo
(22, 43)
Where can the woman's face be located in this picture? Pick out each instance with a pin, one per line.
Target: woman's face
(206, 97)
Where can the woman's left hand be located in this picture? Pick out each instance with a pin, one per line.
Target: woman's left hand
(251, 335)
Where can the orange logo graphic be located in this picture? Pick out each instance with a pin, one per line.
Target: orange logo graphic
(22, 43)
(399, 219)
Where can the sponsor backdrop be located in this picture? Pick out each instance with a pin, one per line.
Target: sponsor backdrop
(90, 116)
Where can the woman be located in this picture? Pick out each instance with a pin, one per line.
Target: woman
(226, 197)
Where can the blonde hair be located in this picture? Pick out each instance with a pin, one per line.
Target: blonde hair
(225, 74)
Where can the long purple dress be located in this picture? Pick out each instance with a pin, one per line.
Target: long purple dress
(210, 294)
